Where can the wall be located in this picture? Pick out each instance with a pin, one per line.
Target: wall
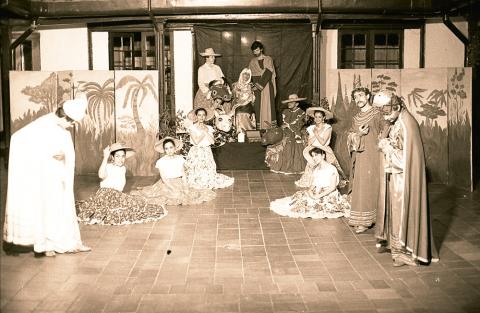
(100, 56)
(411, 48)
(442, 47)
(183, 70)
(328, 55)
(64, 49)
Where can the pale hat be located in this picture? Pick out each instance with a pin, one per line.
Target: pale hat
(76, 108)
(192, 115)
(208, 52)
(121, 146)
(293, 98)
(323, 106)
(177, 142)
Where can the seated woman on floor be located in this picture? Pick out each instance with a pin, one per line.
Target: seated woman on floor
(172, 187)
(322, 199)
(109, 205)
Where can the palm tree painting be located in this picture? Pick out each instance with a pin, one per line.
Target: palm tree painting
(340, 84)
(32, 94)
(460, 127)
(97, 129)
(425, 94)
(137, 111)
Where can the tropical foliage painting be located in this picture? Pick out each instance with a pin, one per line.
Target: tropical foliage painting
(425, 94)
(97, 129)
(340, 84)
(386, 80)
(137, 118)
(460, 127)
(32, 94)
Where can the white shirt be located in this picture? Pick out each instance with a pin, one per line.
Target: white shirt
(170, 167)
(315, 142)
(197, 131)
(207, 73)
(115, 177)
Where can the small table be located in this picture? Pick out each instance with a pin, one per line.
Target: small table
(240, 156)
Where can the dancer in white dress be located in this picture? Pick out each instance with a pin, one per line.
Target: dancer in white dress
(200, 167)
(322, 199)
(172, 187)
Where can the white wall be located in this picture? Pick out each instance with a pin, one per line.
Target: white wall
(328, 55)
(411, 48)
(100, 51)
(183, 65)
(442, 47)
(64, 49)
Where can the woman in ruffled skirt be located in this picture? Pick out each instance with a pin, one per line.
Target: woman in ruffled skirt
(322, 199)
(110, 205)
(200, 167)
(172, 187)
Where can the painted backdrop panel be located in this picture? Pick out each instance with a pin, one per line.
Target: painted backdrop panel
(340, 84)
(425, 94)
(32, 94)
(460, 127)
(386, 80)
(136, 118)
(97, 129)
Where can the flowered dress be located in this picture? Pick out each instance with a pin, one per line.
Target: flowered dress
(177, 191)
(301, 204)
(200, 167)
(286, 157)
(110, 206)
(306, 180)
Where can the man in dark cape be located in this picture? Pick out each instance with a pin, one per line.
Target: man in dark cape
(403, 218)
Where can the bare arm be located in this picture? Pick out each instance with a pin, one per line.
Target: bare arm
(102, 171)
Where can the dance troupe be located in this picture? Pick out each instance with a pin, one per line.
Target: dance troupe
(387, 184)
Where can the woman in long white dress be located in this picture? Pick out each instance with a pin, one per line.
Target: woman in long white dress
(319, 135)
(172, 187)
(322, 199)
(200, 167)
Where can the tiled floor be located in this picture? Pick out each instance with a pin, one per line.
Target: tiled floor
(233, 255)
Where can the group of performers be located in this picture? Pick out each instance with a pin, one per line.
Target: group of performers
(387, 184)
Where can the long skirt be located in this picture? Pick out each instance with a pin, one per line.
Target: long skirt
(244, 121)
(301, 205)
(201, 170)
(112, 207)
(201, 100)
(177, 194)
(286, 157)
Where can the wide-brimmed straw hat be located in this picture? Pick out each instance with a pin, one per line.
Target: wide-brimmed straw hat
(76, 108)
(323, 106)
(177, 142)
(192, 115)
(121, 146)
(293, 98)
(208, 52)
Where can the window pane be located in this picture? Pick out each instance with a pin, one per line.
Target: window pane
(392, 55)
(380, 40)
(360, 55)
(359, 40)
(393, 40)
(346, 40)
(347, 55)
(380, 55)
(360, 65)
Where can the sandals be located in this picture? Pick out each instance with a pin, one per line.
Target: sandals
(81, 248)
(360, 229)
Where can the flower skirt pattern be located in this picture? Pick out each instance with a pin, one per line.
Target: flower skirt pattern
(201, 170)
(112, 207)
(301, 205)
(178, 194)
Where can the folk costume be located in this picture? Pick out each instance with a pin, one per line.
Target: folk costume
(111, 206)
(403, 219)
(263, 76)
(172, 187)
(40, 207)
(244, 98)
(365, 167)
(206, 73)
(200, 167)
(286, 157)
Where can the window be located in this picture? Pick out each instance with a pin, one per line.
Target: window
(132, 51)
(26, 56)
(370, 48)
